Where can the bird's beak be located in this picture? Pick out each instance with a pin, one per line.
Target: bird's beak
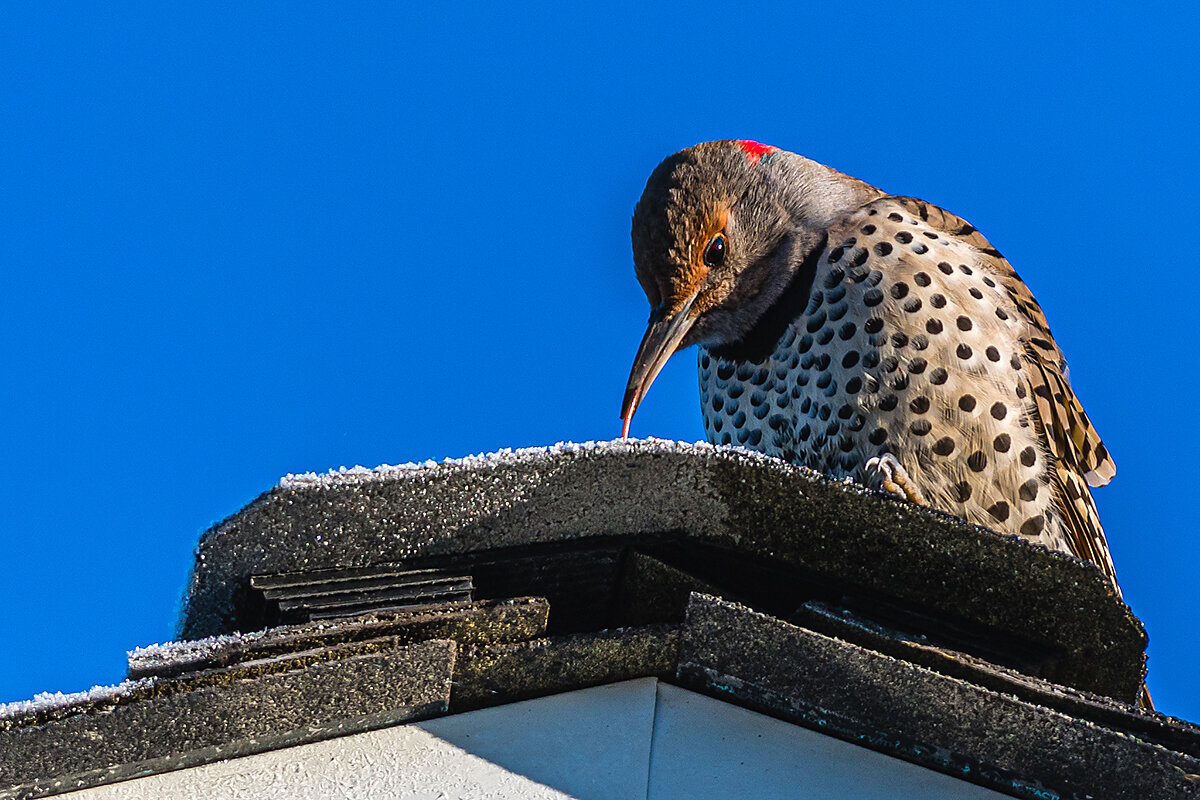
(662, 338)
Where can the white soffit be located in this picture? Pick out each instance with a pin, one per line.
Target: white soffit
(638, 739)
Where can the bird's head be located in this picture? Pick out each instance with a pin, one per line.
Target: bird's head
(718, 235)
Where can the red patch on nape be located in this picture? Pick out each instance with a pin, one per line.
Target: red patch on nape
(755, 150)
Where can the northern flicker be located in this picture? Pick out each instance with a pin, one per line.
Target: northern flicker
(867, 336)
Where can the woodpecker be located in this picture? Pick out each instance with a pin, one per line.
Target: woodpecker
(866, 336)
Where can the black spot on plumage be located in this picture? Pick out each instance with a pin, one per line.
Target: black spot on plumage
(783, 400)
(938, 300)
(938, 376)
(1029, 490)
(739, 419)
(1042, 343)
(704, 360)
(857, 423)
(888, 403)
(989, 283)
(718, 424)
(920, 249)
(946, 268)
(992, 354)
(825, 336)
(883, 248)
(847, 331)
(1028, 456)
(974, 291)
(999, 511)
(917, 365)
(894, 217)
(871, 359)
(725, 438)
(964, 323)
(977, 461)
(854, 385)
(760, 412)
(965, 270)
(875, 278)
(1033, 526)
(962, 491)
(1015, 361)
(816, 322)
(846, 411)
(868, 229)
(967, 402)
(744, 371)
(802, 379)
(920, 341)
(777, 422)
(920, 427)
(912, 305)
(859, 258)
(807, 360)
(1001, 313)
(725, 371)
(832, 429)
(871, 383)
(873, 325)
(872, 297)
(1002, 443)
(836, 293)
(919, 405)
(835, 255)
(754, 438)
(899, 339)
(899, 289)
(760, 377)
(803, 344)
(990, 251)
(903, 237)
(846, 444)
(877, 436)
(922, 279)
(944, 446)
(934, 326)
(824, 360)
(804, 433)
(835, 276)
(717, 403)
(890, 364)
(999, 411)
(823, 380)
(963, 351)
(900, 382)
(735, 391)
(850, 359)
(837, 311)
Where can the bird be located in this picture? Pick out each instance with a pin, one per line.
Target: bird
(867, 336)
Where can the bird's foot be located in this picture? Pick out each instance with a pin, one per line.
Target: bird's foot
(894, 479)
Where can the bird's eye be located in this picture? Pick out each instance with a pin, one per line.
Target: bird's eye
(714, 253)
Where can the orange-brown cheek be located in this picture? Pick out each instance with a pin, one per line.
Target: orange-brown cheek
(687, 283)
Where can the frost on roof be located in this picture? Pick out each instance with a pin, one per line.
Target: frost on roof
(524, 455)
(49, 701)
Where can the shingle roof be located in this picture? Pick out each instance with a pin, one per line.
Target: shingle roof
(721, 571)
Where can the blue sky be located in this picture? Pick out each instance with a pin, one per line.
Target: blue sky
(244, 240)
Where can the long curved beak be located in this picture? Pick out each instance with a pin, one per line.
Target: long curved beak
(660, 342)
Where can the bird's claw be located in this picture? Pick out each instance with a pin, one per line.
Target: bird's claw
(894, 479)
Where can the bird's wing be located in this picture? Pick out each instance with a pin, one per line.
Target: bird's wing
(1080, 457)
